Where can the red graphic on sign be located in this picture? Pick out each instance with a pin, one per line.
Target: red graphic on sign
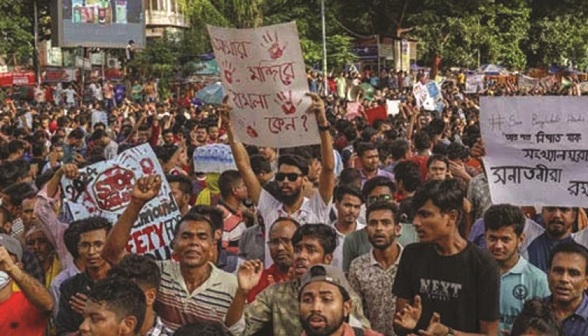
(272, 43)
(286, 103)
(112, 189)
(252, 132)
(229, 71)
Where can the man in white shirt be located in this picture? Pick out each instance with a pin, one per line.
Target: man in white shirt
(291, 175)
(348, 201)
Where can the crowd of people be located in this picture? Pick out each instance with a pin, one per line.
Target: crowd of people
(385, 228)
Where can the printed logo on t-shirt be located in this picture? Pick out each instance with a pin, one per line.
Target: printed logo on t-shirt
(440, 290)
(520, 292)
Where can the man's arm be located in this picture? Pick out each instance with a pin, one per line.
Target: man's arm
(327, 174)
(240, 155)
(34, 291)
(436, 328)
(146, 188)
(248, 277)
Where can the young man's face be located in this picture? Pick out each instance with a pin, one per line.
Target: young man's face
(100, 321)
(437, 170)
(168, 138)
(201, 135)
(90, 247)
(370, 160)
(503, 243)
(322, 308)
(179, 196)
(309, 252)
(567, 278)
(431, 224)
(382, 229)
(348, 209)
(290, 181)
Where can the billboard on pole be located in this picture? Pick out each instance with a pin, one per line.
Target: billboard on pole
(98, 23)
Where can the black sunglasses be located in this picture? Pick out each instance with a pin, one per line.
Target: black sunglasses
(292, 177)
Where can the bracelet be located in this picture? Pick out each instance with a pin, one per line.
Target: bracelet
(324, 128)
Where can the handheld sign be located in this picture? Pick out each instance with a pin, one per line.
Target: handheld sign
(263, 73)
(536, 150)
(104, 189)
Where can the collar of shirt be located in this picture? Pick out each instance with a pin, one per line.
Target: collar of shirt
(518, 267)
(582, 310)
(358, 226)
(374, 262)
(274, 271)
(301, 214)
(229, 209)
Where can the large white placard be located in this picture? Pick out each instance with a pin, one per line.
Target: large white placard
(104, 189)
(536, 149)
(263, 73)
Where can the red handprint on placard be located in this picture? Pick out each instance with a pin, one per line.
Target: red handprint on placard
(274, 49)
(286, 102)
(229, 71)
(252, 132)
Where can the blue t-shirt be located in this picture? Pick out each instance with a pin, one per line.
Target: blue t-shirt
(539, 250)
(120, 92)
(521, 283)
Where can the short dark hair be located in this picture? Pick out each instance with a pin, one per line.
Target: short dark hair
(363, 147)
(140, 269)
(227, 181)
(18, 192)
(325, 234)
(437, 157)
(284, 219)
(504, 215)
(349, 175)
(537, 314)
(381, 205)
(259, 164)
(202, 328)
(203, 213)
(14, 146)
(422, 141)
(71, 238)
(76, 134)
(571, 248)
(122, 297)
(377, 181)
(409, 173)
(347, 189)
(93, 223)
(184, 182)
(294, 160)
(447, 195)
(167, 130)
(398, 149)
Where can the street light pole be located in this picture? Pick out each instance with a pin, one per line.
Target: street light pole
(36, 33)
(325, 79)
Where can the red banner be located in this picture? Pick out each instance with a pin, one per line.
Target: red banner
(25, 78)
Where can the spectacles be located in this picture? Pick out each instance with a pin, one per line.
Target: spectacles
(380, 198)
(292, 177)
(276, 242)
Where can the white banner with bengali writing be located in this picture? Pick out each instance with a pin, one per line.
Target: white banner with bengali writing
(536, 149)
(104, 189)
(264, 75)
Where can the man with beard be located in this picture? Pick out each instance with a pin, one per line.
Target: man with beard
(372, 275)
(38, 243)
(191, 288)
(520, 280)
(275, 307)
(559, 226)
(370, 160)
(291, 176)
(325, 304)
(348, 201)
(281, 251)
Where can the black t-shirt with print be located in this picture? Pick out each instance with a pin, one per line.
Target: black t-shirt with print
(462, 288)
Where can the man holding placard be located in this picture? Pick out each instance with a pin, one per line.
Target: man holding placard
(291, 175)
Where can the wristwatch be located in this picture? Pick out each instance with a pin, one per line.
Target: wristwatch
(324, 128)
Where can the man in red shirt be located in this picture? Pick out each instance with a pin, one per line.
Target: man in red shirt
(281, 251)
(25, 304)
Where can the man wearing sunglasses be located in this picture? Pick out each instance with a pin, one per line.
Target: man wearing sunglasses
(291, 176)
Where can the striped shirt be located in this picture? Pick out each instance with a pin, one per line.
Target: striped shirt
(176, 306)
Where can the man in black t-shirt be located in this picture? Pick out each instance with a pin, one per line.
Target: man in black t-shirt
(455, 285)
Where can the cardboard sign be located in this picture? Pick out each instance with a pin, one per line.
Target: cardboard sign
(104, 189)
(536, 150)
(474, 84)
(263, 73)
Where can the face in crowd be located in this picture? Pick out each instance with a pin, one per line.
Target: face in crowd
(559, 221)
(280, 243)
(323, 309)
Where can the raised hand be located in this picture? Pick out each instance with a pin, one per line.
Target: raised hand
(6, 262)
(146, 188)
(78, 302)
(249, 274)
(318, 108)
(70, 171)
(435, 327)
(410, 315)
